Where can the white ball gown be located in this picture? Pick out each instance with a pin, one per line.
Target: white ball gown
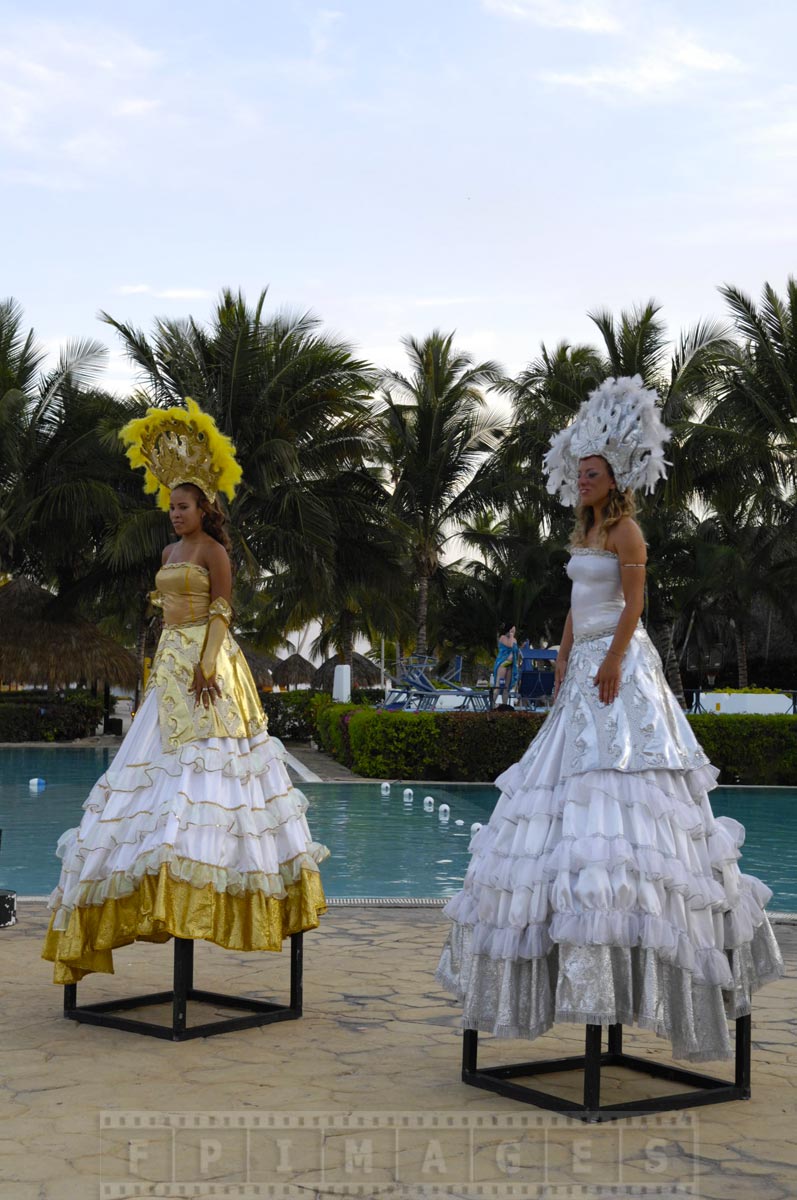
(603, 890)
(195, 830)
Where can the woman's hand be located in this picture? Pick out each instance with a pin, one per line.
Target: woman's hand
(205, 690)
(607, 680)
(560, 670)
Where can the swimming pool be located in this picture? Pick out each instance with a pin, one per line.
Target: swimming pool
(380, 846)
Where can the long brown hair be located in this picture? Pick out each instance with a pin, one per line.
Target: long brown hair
(214, 521)
(618, 505)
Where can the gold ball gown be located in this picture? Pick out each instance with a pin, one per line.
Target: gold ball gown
(603, 890)
(195, 830)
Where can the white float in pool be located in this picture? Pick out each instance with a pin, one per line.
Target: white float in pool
(385, 789)
(443, 812)
(37, 785)
(459, 822)
(408, 794)
(428, 803)
(476, 826)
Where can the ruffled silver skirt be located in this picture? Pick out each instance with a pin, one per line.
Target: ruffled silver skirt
(603, 889)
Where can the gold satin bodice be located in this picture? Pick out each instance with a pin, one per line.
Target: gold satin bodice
(183, 592)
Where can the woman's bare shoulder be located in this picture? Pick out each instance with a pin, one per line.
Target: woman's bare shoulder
(626, 538)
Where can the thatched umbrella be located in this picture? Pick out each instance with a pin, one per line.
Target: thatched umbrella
(293, 670)
(41, 646)
(261, 666)
(364, 673)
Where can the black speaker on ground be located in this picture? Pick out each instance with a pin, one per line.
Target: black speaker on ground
(8, 903)
(8, 908)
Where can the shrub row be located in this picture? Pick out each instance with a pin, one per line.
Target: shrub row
(456, 746)
(475, 747)
(49, 718)
(748, 748)
(292, 715)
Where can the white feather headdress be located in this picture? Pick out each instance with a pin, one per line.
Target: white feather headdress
(620, 421)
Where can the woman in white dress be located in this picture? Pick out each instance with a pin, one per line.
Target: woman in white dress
(603, 890)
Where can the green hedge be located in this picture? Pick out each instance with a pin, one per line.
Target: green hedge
(49, 718)
(455, 746)
(748, 748)
(292, 715)
(475, 747)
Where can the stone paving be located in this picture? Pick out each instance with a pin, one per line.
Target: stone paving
(378, 1048)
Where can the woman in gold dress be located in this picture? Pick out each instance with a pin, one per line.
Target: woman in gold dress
(195, 830)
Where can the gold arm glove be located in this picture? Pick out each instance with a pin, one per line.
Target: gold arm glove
(219, 617)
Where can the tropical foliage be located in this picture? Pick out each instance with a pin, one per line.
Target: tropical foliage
(410, 505)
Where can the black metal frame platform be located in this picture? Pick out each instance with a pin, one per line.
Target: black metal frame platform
(707, 1088)
(259, 1012)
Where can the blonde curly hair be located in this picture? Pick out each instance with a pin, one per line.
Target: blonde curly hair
(619, 505)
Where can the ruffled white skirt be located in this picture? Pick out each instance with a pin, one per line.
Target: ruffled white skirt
(603, 890)
(207, 840)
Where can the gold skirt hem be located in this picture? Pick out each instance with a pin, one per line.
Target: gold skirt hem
(162, 907)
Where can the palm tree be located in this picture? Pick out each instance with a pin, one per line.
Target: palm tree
(43, 430)
(357, 589)
(436, 431)
(760, 394)
(739, 562)
(293, 398)
(545, 396)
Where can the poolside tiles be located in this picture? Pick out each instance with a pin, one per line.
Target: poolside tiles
(360, 1097)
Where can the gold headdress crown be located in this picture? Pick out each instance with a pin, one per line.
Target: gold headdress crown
(181, 445)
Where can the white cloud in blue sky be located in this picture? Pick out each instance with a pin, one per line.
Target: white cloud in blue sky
(495, 166)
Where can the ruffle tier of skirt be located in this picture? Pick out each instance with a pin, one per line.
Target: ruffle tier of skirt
(609, 897)
(209, 840)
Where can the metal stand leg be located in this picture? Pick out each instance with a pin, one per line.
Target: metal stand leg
(592, 1068)
(183, 984)
(258, 1012)
(744, 1042)
(297, 966)
(470, 1049)
(706, 1089)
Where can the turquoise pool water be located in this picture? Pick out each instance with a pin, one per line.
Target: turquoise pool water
(379, 846)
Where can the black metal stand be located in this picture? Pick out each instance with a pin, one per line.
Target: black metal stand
(707, 1088)
(259, 1012)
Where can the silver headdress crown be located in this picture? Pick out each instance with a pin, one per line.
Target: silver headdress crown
(620, 421)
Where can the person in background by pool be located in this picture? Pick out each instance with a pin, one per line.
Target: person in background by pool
(604, 890)
(505, 665)
(195, 830)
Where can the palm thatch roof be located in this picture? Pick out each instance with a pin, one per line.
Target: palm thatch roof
(364, 673)
(42, 646)
(261, 666)
(293, 670)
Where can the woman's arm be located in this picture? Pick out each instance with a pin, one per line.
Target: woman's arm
(629, 546)
(205, 687)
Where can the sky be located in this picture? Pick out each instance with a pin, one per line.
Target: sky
(495, 167)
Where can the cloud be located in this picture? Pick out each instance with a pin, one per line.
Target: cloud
(657, 74)
(779, 138)
(586, 16)
(321, 27)
(60, 84)
(445, 301)
(173, 293)
(136, 107)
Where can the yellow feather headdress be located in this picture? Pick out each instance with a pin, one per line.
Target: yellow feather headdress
(181, 445)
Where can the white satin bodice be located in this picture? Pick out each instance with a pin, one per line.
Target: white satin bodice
(597, 599)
